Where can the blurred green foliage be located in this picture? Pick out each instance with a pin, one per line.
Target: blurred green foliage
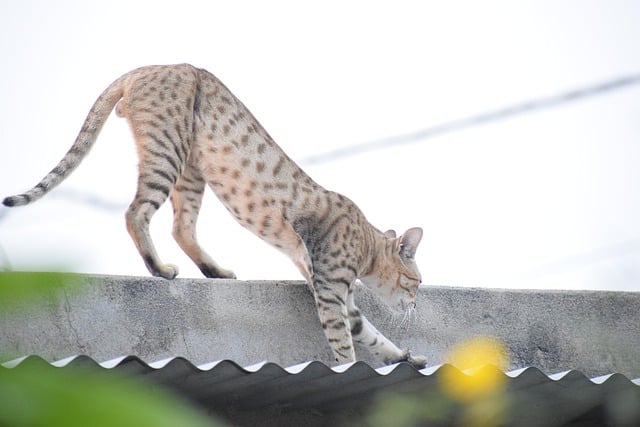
(16, 288)
(38, 394)
(408, 410)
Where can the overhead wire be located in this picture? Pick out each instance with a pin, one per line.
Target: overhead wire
(474, 120)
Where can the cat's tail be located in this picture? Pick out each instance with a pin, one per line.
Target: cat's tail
(83, 143)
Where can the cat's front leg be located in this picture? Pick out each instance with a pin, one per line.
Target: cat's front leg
(332, 310)
(365, 334)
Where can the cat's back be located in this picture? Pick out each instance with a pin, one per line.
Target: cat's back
(239, 157)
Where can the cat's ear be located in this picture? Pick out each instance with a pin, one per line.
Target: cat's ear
(408, 242)
(390, 234)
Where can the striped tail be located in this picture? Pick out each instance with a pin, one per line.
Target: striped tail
(83, 143)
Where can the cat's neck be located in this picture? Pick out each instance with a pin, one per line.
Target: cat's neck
(375, 249)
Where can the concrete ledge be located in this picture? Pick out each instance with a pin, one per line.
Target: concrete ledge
(206, 320)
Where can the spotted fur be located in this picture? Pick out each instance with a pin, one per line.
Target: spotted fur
(190, 130)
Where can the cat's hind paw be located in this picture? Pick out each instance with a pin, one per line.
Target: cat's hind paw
(214, 271)
(168, 271)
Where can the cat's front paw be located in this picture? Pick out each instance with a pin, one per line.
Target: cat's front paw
(417, 362)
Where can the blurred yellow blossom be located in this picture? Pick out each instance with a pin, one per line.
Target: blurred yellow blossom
(478, 382)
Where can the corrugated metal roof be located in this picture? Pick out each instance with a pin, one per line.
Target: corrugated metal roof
(220, 385)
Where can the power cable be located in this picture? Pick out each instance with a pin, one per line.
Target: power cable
(475, 120)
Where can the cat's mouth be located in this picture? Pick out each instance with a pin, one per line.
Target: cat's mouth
(408, 313)
(407, 306)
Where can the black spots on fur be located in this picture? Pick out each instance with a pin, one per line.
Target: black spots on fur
(343, 264)
(267, 222)
(164, 174)
(336, 253)
(151, 202)
(150, 263)
(341, 351)
(329, 298)
(169, 159)
(59, 169)
(336, 324)
(181, 188)
(196, 101)
(158, 187)
(159, 141)
(174, 145)
(307, 228)
(43, 186)
(278, 167)
(356, 327)
(342, 280)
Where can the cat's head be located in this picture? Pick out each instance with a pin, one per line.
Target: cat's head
(395, 276)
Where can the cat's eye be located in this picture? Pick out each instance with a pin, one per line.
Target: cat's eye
(416, 279)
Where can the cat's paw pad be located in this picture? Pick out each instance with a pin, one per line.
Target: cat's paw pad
(168, 271)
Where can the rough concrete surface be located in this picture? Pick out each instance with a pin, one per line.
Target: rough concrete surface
(205, 320)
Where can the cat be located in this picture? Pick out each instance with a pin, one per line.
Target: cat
(190, 130)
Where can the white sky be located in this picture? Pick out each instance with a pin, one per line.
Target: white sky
(545, 200)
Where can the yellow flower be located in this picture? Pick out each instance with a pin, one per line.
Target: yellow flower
(480, 364)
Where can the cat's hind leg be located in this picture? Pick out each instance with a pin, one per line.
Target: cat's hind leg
(161, 154)
(157, 177)
(187, 199)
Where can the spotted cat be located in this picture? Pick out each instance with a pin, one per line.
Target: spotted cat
(190, 130)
